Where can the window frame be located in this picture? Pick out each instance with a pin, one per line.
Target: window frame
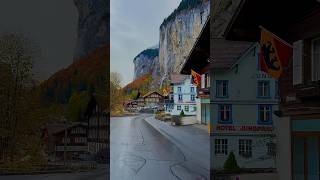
(178, 107)
(192, 97)
(269, 121)
(268, 88)
(186, 108)
(229, 121)
(314, 77)
(221, 147)
(218, 86)
(245, 148)
(179, 89)
(192, 90)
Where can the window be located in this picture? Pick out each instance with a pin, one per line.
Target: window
(271, 149)
(172, 90)
(222, 89)
(66, 140)
(192, 89)
(245, 148)
(224, 113)
(186, 108)
(178, 108)
(201, 18)
(221, 146)
(264, 113)
(263, 89)
(179, 89)
(180, 97)
(194, 108)
(207, 80)
(315, 50)
(192, 97)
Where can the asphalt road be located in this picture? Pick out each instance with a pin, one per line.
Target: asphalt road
(140, 152)
(101, 173)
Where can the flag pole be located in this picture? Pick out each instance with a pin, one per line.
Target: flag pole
(277, 37)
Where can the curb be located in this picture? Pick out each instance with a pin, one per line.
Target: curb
(44, 172)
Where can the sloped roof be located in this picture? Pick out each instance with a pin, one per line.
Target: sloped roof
(152, 93)
(225, 53)
(178, 78)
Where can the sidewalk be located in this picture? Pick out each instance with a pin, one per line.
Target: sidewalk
(193, 141)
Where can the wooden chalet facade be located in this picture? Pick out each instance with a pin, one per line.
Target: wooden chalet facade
(85, 140)
(71, 139)
(98, 130)
(298, 23)
(152, 99)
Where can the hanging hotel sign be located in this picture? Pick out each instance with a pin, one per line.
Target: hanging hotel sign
(244, 128)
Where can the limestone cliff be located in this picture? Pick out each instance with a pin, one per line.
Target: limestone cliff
(92, 27)
(147, 62)
(178, 33)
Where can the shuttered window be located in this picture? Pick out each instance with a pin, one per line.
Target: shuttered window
(315, 50)
(297, 62)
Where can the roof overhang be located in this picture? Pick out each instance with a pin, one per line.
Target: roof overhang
(200, 52)
(274, 15)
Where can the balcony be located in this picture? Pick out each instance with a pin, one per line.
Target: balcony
(308, 90)
(168, 101)
(204, 92)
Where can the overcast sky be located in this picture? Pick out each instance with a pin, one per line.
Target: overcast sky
(134, 27)
(52, 24)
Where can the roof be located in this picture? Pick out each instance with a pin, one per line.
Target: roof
(225, 53)
(55, 128)
(285, 13)
(151, 93)
(200, 52)
(178, 78)
(58, 127)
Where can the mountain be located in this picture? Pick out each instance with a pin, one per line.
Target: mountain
(178, 33)
(147, 62)
(87, 74)
(93, 23)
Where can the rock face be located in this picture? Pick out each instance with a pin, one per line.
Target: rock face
(92, 26)
(178, 35)
(148, 62)
(222, 13)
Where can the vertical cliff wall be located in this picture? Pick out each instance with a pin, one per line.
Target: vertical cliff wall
(178, 33)
(147, 62)
(92, 26)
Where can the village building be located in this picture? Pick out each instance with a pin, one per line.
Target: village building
(152, 99)
(66, 141)
(298, 122)
(242, 113)
(182, 95)
(4, 145)
(198, 61)
(98, 129)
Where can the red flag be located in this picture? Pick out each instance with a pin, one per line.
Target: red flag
(196, 78)
(274, 54)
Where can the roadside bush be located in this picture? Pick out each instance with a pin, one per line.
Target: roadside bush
(231, 165)
(160, 115)
(182, 114)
